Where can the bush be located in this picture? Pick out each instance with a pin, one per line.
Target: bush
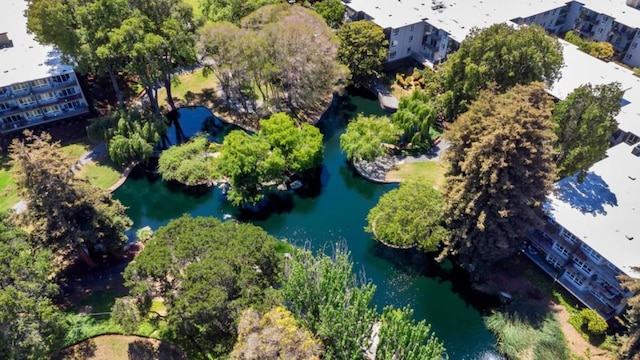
(595, 323)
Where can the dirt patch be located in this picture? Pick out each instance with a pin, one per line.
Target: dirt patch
(576, 343)
(121, 347)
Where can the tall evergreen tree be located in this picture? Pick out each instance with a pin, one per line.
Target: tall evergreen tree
(500, 55)
(584, 122)
(64, 213)
(501, 171)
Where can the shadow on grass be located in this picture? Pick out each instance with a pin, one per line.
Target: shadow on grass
(145, 350)
(83, 350)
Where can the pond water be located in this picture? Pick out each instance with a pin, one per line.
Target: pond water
(333, 211)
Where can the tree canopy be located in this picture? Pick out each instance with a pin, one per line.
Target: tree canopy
(188, 163)
(64, 212)
(280, 58)
(408, 216)
(231, 10)
(499, 56)
(274, 335)
(501, 171)
(280, 149)
(583, 123)
(416, 116)
(365, 136)
(323, 293)
(332, 11)
(207, 271)
(363, 49)
(32, 327)
(129, 135)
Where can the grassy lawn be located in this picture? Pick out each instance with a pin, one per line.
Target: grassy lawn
(102, 173)
(121, 347)
(432, 171)
(193, 82)
(8, 195)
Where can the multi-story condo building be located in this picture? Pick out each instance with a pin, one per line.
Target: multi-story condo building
(36, 87)
(592, 233)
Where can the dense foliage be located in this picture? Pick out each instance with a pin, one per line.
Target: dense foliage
(207, 272)
(332, 11)
(150, 39)
(365, 137)
(64, 212)
(32, 327)
(363, 49)
(130, 136)
(280, 58)
(326, 297)
(499, 56)
(187, 163)
(601, 50)
(631, 346)
(501, 172)
(416, 116)
(280, 149)
(231, 10)
(274, 335)
(584, 122)
(408, 216)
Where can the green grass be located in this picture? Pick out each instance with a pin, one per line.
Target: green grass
(431, 171)
(8, 193)
(194, 82)
(521, 339)
(102, 174)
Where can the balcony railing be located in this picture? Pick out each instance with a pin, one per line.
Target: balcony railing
(22, 124)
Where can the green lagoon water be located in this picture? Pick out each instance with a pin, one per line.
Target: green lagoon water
(334, 212)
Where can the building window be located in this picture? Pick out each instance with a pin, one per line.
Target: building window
(33, 114)
(583, 266)
(3, 91)
(394, 43)
(61, 78)
(409, 50)
(577, 279)
(52, 110)
(561, 250)
(26, 101)
(20, 87)
(67, 92)
(39, 83)
(411, 38)
(634, 45)
(628, 57)
(569, 236)
(12, 118)
(396, 31)
(411, 28)
(392, 55)
(594, 254)
(553, 261)
(46, 96)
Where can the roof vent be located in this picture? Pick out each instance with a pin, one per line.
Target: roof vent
(636, 150)
(629, 237)
(632, 178)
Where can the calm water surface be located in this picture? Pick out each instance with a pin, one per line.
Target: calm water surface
(334, 212)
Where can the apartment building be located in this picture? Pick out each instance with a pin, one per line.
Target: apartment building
(592, 232)
(445, 23)
(36, 87)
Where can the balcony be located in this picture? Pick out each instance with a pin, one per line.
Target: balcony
(22, 124)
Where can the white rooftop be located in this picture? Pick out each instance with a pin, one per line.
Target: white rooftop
(604, 210)
(580, 68)
(27, 59)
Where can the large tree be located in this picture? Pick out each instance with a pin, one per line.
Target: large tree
(231, 10)
(32, 327)
(280, 58)
(207, 272)
(365, 137)
(416, 116)
(188, 163)
(499, 56)
(409, 216)
(584, 122)
(363, 49)
(64, 212)
(631, 345)
(501, 171)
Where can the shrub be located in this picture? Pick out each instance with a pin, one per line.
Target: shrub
(595, 323)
